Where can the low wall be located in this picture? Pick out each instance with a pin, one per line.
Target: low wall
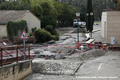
(16, 71)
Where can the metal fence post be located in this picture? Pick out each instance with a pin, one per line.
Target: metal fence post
(1, 56)
(29, 51)
(17, 54)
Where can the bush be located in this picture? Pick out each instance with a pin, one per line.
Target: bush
(13, 28)
(55, 37)
(51, 29)
(42, 36)
(33, 29)
(53, 32)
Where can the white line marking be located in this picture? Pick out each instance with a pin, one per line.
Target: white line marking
(100, 66)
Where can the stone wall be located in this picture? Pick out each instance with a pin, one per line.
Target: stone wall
(16, 71)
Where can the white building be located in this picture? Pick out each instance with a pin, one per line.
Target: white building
(17, 15)
(110, 24)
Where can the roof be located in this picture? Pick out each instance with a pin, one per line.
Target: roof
(11, 15)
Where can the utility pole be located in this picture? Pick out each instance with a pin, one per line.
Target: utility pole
(89, 17)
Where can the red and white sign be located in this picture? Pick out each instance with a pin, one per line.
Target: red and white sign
(23, 35)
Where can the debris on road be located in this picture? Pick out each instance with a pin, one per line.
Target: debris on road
(51, 52)
(91, 54)
(54, 67)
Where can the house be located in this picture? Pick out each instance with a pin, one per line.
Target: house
(17, 15)
(110, 25)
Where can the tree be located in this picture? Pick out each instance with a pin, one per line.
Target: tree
(66, 13)
(6, 6)
(38, 11)
(118, 5)
(48, 11)
(98, 6)
(49, 20)
(14, 6)
(22, 6)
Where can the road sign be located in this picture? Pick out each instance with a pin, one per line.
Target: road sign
(23, 35)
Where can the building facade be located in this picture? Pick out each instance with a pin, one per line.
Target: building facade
(110, 25)
(17, 15)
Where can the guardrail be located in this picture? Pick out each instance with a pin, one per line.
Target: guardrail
(13, 54)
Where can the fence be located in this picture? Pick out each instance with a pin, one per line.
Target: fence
(13, 54)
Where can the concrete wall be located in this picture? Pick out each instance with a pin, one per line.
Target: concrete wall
(103, 24)
(111, 25)
(32, 21)
(15, 71)
(3, 32)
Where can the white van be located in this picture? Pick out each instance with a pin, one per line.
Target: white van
(80, 23)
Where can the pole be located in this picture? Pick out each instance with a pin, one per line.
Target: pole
(87, 20)
(1, 57)
(24, 49)
(17, 54)
(91, 14)
(91, 25)
(29, 51)
(78, 32)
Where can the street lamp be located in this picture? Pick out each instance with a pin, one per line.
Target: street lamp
(78, 15)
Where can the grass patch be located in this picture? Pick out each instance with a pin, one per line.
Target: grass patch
(97, 22)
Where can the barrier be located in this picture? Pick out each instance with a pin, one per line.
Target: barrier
(12, 54)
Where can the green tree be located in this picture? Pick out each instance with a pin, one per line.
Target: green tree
(6, 6)
(38, 11)
(118, 5)
(22, 6)
(49, 20)
(14, 6)
(48, 9)
(66, 13)
(98, 6)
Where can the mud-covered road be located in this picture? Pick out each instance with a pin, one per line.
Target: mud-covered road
(96, 65)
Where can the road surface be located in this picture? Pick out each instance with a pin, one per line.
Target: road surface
(106, 67)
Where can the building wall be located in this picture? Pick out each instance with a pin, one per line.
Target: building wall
(32, 21)
(103, 24)
(16, 71)
(112, 28)
(3, 31)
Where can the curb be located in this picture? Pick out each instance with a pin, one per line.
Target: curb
(73, 73)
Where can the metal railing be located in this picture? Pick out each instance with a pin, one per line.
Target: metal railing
(13, 54)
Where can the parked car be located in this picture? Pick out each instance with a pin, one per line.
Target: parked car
(80, 23)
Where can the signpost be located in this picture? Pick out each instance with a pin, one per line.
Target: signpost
(24, 37)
